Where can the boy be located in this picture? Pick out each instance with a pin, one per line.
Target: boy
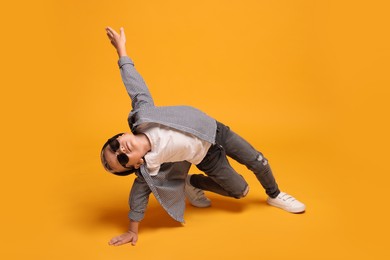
(164, 140)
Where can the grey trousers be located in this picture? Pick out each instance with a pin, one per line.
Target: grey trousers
(221, 177)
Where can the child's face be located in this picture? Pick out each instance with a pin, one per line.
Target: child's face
(129, 146)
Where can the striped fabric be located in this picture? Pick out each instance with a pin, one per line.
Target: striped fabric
(168, 185)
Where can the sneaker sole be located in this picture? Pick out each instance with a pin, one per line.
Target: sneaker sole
(200, 205)
(295, 210)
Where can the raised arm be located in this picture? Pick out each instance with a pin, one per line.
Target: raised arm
(134, 83)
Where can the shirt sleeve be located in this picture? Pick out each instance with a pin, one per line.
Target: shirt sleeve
(139, 198)
(135, 84)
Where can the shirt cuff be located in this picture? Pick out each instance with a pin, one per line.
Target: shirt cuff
(125, 60)
(136, 216)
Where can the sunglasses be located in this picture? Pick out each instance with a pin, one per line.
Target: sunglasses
(122, 158)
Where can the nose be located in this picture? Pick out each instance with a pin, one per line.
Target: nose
(120, 150)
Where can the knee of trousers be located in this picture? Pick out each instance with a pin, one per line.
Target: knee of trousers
(240, 193)
(245, 192)
(260, 165)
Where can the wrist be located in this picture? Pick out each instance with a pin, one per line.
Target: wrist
(121, 52)
(133, 227)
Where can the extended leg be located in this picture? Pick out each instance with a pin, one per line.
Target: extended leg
(241, 151)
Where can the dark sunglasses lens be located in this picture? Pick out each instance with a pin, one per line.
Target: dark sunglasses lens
(122, 159)
(114, 145)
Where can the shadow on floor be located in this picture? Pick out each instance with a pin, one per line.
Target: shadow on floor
(91, 217)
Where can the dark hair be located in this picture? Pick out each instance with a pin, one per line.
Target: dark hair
(105, 163)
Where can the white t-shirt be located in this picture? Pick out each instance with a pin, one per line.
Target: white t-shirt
(171, 145)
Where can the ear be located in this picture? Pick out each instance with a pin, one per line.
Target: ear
(139, 163)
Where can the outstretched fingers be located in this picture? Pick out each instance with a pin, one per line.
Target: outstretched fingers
(117, 40)
(123, 239)
(111, 33)
(116, 241)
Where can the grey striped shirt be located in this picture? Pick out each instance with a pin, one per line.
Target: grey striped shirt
(168, 185)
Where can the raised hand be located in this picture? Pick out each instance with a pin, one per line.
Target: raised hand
(118, 40)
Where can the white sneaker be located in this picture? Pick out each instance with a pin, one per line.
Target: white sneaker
(195, 196)
(287, 202)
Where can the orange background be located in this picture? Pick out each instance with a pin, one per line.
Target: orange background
(306, 82)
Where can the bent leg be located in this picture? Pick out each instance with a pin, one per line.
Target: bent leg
(221, 177)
